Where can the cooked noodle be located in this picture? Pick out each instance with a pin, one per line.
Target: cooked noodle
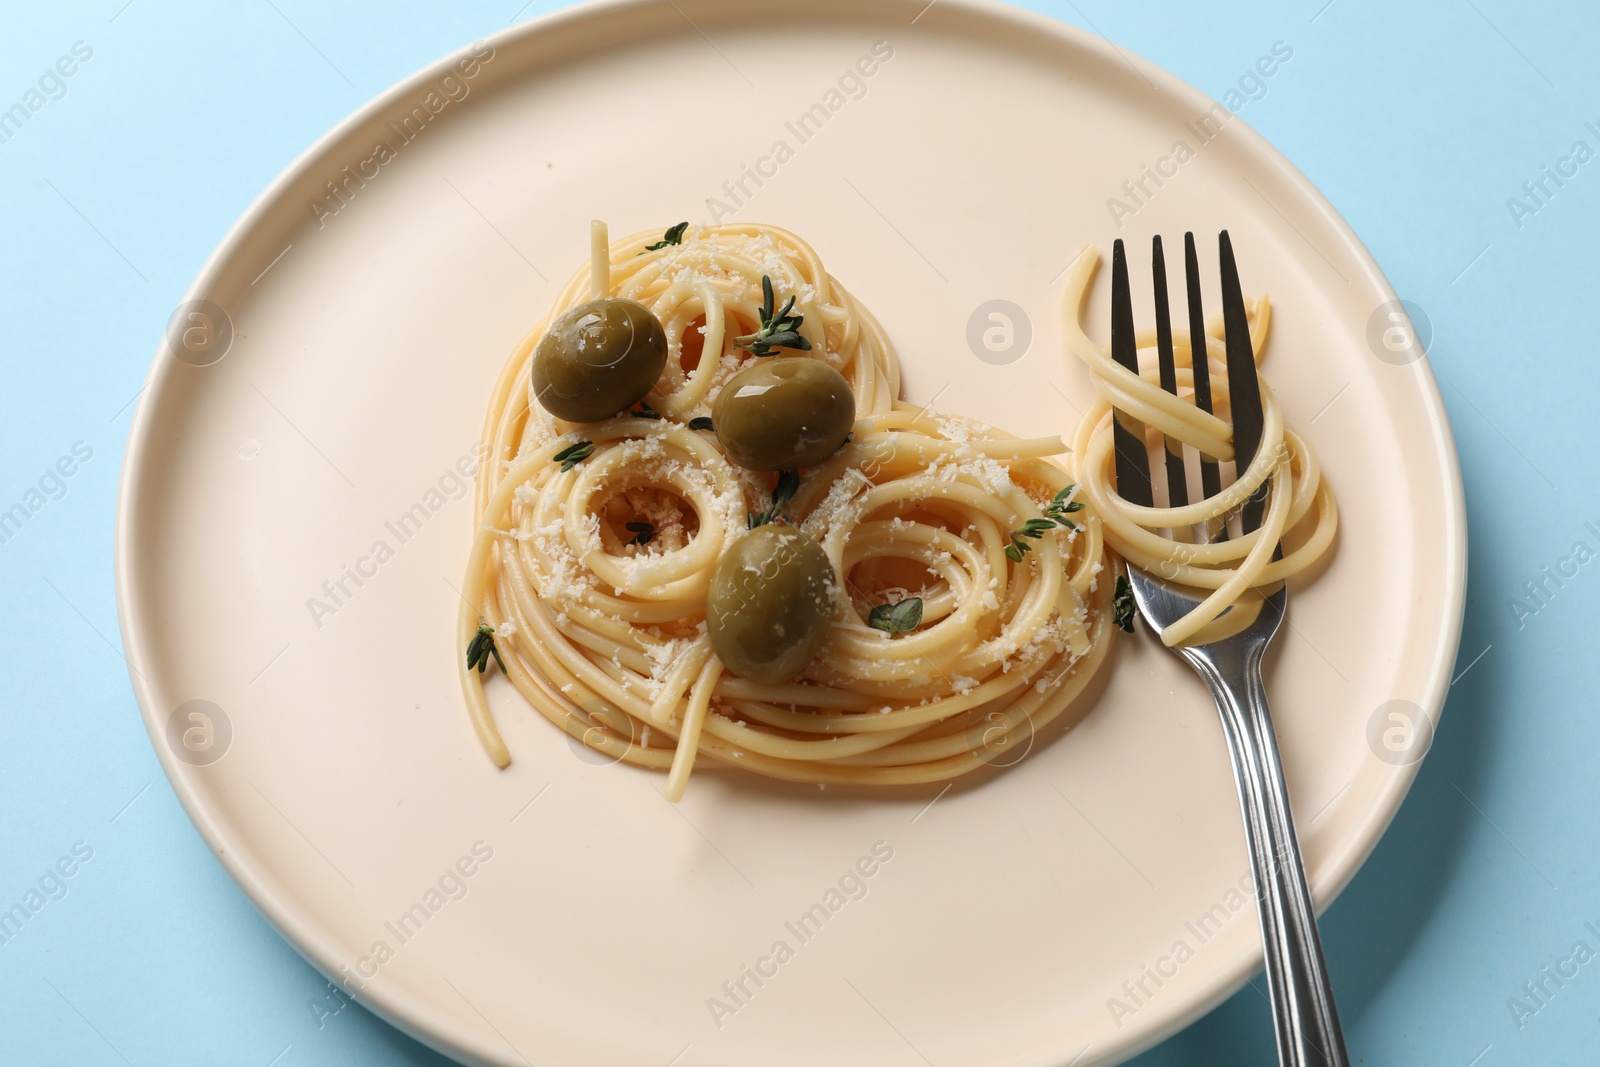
(607, 638)
(1299, 501)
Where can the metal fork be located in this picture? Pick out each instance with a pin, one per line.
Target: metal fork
(1303, 1012)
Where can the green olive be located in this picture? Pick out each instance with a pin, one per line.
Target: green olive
(598, 359)
(784, 413)
(770, 603)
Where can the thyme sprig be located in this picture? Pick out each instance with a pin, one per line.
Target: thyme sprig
(1033, 529)
(673, 236)
(481, 647)
(1061, 506)
(778, 330)
(782, 493)
(643, 532)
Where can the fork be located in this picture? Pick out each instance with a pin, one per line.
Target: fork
(1303, 1013)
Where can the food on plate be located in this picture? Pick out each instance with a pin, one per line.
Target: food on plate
(709, 529)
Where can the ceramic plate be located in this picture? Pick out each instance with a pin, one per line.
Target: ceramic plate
(292, 529)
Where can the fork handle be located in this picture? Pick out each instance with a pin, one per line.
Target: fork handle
(1303, 1012)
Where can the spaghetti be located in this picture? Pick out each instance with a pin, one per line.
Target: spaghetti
(604, 632)
(1300, 504)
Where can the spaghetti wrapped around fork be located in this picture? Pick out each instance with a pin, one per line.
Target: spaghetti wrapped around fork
(1300, 508)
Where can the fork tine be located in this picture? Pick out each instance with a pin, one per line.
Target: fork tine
(1172, 454)
(1132, 461)
(1210, 476)
(1244, 389)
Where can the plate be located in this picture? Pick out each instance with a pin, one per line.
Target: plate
(292, 527)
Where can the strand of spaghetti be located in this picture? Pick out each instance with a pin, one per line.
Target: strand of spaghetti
(467, 621)
(1128, 390)
(1298, 500)
(599, 260)
(694, 718)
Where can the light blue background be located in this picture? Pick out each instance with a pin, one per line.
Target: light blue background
(1418, 123)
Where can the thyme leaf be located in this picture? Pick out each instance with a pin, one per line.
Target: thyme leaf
(779, 329)
(1123, 608)
(898, 618)
(573, 455)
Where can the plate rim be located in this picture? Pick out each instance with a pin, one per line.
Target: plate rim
(416, 1017)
